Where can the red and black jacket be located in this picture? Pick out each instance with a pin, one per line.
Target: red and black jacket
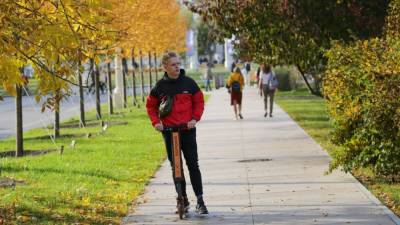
(188, 101)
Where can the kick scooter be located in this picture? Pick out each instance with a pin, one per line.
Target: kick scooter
(177, 166)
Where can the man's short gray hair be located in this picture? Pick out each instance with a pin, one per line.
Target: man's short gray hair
(167, 56)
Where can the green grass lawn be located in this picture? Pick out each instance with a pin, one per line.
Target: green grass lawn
(311, 114)
(94, 183)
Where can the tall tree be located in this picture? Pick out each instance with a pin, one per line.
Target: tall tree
(150, 68)
(124, 74)
(206, 39)
(134, 66)
(56, 37)
(82, 121)
(57, 104)
(19, 124)
(292, 32)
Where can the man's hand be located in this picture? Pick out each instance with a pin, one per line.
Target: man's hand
(159, 127)
(192, 124)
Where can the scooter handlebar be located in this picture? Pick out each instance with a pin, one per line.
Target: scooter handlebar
(176, 128)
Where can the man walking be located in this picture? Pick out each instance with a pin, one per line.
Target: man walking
(247, 67)
(187, 105)
(207, 77)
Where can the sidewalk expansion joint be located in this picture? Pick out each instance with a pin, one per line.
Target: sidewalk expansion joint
(254, 160)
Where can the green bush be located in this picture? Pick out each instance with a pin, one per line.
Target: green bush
(362, 85)
(286, 78)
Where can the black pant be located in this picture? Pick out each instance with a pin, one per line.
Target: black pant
(189, 149)
(268, 93)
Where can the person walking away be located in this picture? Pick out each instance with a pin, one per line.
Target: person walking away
(233, 66)
(208, 77)
(187, 106)
(268, 84)
(258, 75)
(247, 67)
(235, 85)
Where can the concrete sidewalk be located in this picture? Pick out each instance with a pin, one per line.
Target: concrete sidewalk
(261, 171)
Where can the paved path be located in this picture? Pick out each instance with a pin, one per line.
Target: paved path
(291, 188)
(32, 115)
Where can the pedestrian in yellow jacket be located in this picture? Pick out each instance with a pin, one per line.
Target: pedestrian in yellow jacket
(235, 85)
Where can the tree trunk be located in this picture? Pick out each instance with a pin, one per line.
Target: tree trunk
(155, 66)
(90, 74)
(81, 100)
(133, 78)
(110, 100)
(150, 75)
(141, 74)
(57, 115)
(313, 92)
(19, 138)
(124, 74)
(97, 89)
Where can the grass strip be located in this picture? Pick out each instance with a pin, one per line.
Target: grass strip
(93, 183)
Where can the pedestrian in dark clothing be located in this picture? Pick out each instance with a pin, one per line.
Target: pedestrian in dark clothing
(207, 77)
(233, 66)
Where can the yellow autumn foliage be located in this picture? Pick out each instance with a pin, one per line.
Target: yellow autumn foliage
(362, 86)
(55, 35)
